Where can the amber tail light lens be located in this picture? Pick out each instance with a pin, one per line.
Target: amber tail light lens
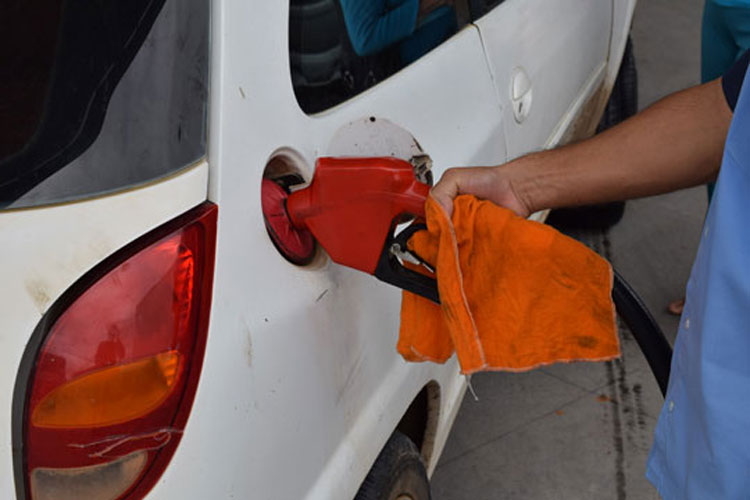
(109, 377)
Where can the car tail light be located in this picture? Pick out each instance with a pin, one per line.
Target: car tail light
(108, 379)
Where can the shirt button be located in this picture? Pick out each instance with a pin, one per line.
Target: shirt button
(671, 406)
(687, 323)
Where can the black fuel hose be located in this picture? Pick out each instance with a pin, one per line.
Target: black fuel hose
(645, 329)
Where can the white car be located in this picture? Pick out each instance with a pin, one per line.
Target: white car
(154, 342)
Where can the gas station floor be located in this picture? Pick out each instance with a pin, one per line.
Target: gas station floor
(583, 431)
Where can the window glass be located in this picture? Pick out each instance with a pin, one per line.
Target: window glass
(339, 48)
(99, 96)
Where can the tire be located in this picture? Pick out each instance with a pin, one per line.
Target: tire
(622, 104)
(397, 474)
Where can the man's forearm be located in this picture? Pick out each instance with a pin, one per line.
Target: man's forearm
(676, 143)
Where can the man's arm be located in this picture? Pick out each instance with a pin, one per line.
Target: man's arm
(676, 143)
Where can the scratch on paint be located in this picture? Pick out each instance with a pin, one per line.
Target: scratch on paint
(161, 437)
(321, 295)
(350, 377)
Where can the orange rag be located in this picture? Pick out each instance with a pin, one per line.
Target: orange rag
(515, 294)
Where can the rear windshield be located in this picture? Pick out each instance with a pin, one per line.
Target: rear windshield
(98, 96)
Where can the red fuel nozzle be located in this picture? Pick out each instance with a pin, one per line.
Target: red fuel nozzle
(352, 204)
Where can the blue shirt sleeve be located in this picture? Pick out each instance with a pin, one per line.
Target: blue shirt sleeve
(732, 80)
(373, 25)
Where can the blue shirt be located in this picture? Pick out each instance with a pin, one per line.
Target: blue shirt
(701, 444)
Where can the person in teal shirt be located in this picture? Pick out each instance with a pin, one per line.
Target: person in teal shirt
(418, 26)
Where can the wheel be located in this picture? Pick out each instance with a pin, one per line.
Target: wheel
(622, 104)
(397, 474)
(623, 101)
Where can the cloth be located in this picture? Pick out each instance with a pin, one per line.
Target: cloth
(702, 439)
(515, 294)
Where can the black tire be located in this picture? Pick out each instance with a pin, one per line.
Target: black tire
(622, 104)
(623, 101)
(397, 474)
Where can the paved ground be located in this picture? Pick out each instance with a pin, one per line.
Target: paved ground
(583, 431)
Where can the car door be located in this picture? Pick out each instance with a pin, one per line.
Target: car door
(301, 378)
(547, 59)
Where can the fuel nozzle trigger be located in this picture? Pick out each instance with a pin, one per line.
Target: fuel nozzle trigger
(391, 269)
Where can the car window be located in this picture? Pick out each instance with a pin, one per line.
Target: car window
(339, 48)
(99, 96)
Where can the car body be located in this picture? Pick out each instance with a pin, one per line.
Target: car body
(300, 385)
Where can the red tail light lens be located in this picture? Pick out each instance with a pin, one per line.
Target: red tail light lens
(112, 377)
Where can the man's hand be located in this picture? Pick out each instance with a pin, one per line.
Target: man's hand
(489, 183)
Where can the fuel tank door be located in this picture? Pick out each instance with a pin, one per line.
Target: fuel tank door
(373, 137)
